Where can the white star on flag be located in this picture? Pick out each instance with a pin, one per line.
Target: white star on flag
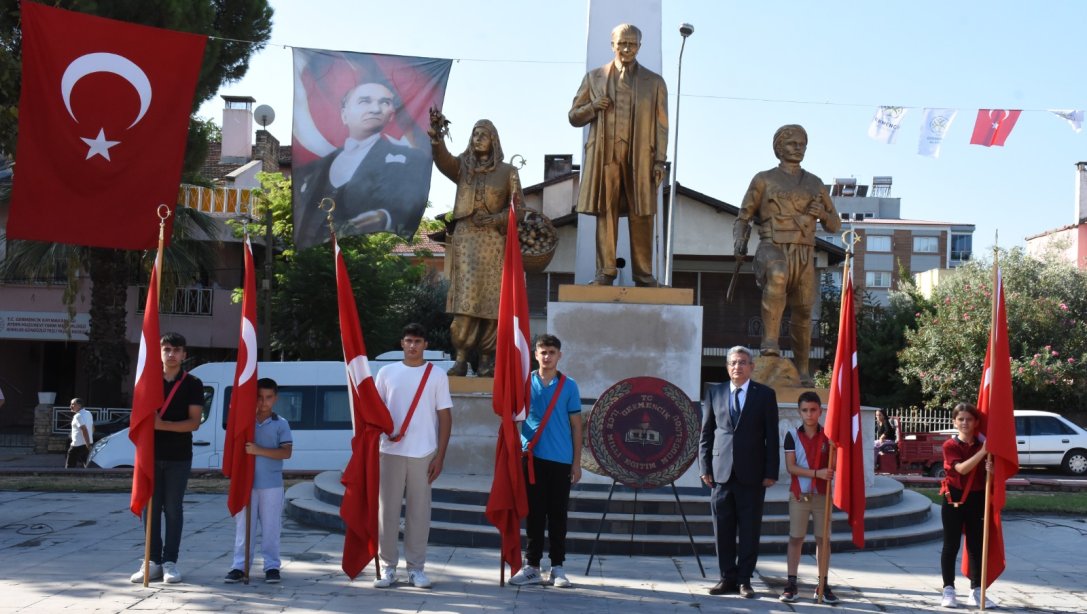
(98, 146)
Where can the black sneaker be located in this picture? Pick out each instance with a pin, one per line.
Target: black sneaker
(829, 597)
(234, 576)
(271, 576)
(789, 594)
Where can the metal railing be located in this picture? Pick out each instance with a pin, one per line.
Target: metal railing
(62, 416)
(922, 419)
(189, 301)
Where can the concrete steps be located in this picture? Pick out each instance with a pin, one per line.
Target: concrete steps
(650, 524)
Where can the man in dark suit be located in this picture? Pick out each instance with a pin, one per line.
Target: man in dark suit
(739, 455)
(377, 184)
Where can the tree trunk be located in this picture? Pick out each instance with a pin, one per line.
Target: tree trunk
(107, 357)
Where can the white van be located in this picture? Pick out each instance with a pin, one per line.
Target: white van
(312, 397)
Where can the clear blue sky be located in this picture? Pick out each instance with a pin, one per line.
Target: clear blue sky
(749, 68)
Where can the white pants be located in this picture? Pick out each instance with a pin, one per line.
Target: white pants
(267, 505)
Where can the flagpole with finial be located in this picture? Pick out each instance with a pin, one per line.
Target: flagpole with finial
(984, 562)
(248, 508)
(849, 239)
(163, 213)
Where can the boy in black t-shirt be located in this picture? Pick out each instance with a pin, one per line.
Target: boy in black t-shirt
(174, 424)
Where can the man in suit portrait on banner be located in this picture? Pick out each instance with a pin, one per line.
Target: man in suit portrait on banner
(377, 183)
(738, 452)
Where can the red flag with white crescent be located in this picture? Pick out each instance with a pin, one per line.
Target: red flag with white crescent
(370, 418)
(508, 503)
(241, 419)
(993, 126)
(843, 424)
(997, 426)
(103, 121)
(147, 398)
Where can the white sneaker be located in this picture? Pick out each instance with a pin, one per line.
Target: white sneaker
(386, 579)
(170, 574)
(558, 578)
(975, 599)
(154, 570)
(949, 600)
(418, 579)
(527, 575)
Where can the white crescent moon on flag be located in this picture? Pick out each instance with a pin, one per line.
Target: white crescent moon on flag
(521, 344)
(141, 357)
(249, 339)
(358, 369)
(111, 63)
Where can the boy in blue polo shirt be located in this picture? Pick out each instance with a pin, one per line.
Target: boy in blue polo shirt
(271, 445)
(551, 438)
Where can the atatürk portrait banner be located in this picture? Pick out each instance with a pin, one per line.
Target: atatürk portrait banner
(360, 139)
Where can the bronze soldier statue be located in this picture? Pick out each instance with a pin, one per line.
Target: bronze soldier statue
(787, 201)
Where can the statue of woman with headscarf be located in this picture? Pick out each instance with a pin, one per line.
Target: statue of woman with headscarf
(486, 187)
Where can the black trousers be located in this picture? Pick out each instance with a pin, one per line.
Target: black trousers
(737, 528)
(968, 518)
(77, 457)
(548, 500)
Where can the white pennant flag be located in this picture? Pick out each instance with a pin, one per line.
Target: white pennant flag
(934, 126)
(885, 124)
(1072, 116)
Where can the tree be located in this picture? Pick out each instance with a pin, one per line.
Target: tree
(241, 27)
(1045, 299)
(390, 290)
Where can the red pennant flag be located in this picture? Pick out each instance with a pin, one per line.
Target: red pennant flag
(370, 419)
(241, 419)
(508, 503)
(103, 121)
(997, 426)
(993, 126)
(843, 425)
(147, 397)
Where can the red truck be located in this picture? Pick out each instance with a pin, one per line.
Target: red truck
(913, 453)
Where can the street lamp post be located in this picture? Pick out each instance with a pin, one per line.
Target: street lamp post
(685, 30)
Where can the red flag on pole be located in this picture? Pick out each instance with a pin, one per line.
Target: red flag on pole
(370, 419)
(992, 126)
(147, 398)
(103, 121)
(241, 419)
(997, 426)
(843, 425)
(508, 503)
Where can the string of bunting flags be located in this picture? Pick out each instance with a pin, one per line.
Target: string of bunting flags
(991, 127)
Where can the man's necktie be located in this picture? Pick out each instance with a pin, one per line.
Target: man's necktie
(734, 412)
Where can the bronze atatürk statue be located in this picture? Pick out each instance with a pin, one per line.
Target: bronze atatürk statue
(485, 188)
(786, 201)
(626, 105)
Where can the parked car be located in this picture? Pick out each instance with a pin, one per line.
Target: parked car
(1050, 440)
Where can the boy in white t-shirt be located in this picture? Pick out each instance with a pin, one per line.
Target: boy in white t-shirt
(417, 396)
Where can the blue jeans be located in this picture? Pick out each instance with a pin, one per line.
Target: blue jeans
(171, 478)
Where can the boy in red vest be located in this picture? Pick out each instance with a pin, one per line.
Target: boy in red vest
(807, 454)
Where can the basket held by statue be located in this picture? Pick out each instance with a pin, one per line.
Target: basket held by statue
(538, 241)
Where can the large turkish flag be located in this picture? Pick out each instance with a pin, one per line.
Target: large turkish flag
(103, 121)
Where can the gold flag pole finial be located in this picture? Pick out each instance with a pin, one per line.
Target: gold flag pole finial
(328, 206)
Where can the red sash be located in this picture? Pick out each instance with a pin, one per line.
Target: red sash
(809, 443)
(170, 397)
(945, 486)
(540, 429)
(414, 404)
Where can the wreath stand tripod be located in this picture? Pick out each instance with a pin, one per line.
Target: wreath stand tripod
(634, 515)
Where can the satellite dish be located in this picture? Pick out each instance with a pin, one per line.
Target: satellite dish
(264, 115)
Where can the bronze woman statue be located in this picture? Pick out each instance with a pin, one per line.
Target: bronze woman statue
(486, 187)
